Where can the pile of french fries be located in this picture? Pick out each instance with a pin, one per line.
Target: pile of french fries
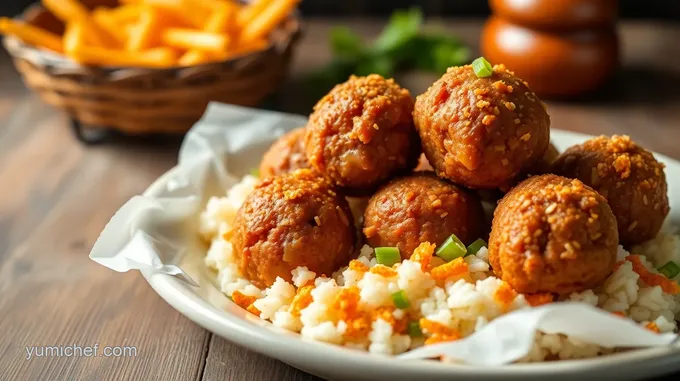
(156, 33)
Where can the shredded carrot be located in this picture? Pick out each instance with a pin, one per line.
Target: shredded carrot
(539, 299)
(667, 285)
(242, 300)
(619, 313)
(504, 295)
(653, 327)
(302, 299)
(434, 339)
(387, 314)
(438, 332)
(383, 271)
(346, 303)
(346, 308)
(358, 266)
(435, 328)
(617, 265)
(423, 255)
(358, 327)
(456, 267)
(253, 310)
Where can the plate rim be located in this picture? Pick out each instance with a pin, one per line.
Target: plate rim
(290, 348)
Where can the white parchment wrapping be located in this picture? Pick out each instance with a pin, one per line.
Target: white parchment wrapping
(152, 233)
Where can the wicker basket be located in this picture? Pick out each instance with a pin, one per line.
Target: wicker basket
(139, 100)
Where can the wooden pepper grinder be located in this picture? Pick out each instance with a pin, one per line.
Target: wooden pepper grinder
(560, 47)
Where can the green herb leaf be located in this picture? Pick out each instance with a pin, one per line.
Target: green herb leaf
(482, 67)
(375, 65)
(444, 56)
(670, 270)
(401, 28)
(400, 300)
(346, 43)
(387, 256)
(476, 246)
(451, 249)
(414, 329)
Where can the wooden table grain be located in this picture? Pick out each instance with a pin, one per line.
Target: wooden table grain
(58, 194)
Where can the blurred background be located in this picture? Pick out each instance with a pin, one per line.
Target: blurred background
(67, 170)
(656, 9)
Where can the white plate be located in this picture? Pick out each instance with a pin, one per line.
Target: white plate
(209, 308)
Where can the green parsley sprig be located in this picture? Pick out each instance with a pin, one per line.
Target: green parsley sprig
(404, 44)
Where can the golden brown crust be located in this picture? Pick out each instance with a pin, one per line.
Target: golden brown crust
(285, 155)
(361, 134)
(481, 132)
(553, 234)
(289, 221)
(628, 176)
(422, 208)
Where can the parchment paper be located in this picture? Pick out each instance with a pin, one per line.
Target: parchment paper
(154, 233)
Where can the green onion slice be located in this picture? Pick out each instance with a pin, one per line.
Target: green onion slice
(400, 300)
(476, 246)
(414, 329)
(255, 172)
(482, 67)
(451, 249)
(387, 255)
(670, 270)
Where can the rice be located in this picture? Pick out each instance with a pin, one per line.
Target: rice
(663, 248)
(354, 306)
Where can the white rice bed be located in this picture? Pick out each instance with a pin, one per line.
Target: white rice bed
(461, 303)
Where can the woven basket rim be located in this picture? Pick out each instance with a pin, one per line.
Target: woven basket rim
(43, 57)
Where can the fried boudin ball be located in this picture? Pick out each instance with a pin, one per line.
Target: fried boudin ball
(422, 208)
(289, 221)
(361, 134)
(553, 234)
(285, 155)
(628, 176)
(481, 132)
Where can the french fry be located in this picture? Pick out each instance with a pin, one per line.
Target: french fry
(130, 29)
(191, 11)
(247, 48)
(215, 5)
(74, 37)
(93, 55)
(157, 33)
(67, 10)
(196, 40)
(73, 11)
(193, 57)
(268, 19)
(106, 21)
(31, 35)
(145, 34)
(122, 15)
(251, 10)
(221, 20)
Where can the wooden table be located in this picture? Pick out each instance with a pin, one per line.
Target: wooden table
(58, 194)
